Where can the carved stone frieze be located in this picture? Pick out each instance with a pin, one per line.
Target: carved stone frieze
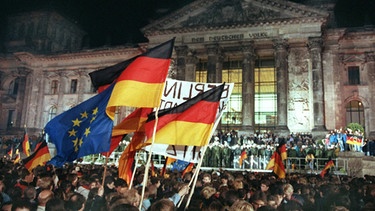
(352, 58)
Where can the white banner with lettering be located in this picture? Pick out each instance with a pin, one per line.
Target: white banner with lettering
(175, 93)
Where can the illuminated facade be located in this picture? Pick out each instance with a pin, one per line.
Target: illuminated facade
(293, 70)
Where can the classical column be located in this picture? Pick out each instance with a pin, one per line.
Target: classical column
(315, 49)
(248, 65)
(182, 53)
(191, 63)
(281, 65)
(369, 110)
(214, 63)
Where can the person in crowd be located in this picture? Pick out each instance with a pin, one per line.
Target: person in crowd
(43, 198)
(55, 204)
(27, 179)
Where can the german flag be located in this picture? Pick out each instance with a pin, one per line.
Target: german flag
(189, 123)
(276, 165)
(40, 156)
(282, 149)
(26, 144)
(142, 82)
(243, 156)
(329, 164)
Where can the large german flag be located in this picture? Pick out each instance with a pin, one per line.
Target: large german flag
(276, 165)
(189, 123)
(142, 82)
(40, 156)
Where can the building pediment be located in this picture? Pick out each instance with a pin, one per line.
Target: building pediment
(219, 14)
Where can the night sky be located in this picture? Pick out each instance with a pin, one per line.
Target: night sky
(120, 20)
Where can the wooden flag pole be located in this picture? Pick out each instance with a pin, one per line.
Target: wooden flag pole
(105, 169)
(134, 170)
(145, 178)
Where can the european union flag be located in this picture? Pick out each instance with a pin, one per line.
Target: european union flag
(82, 130)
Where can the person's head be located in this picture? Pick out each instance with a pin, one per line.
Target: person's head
(22, 205)
(207, 192)
(121, 185)
(241, 205)
(55, 204)
(73, 178)
(45, 182)
(155, 181)
(163, 205)
(132, 197)
(288, 191)
(127, 207)
(264, 185)
(109, 182)
(26, 175)
(206, 179)
(29, 193)
(7, 206)
(44, 196)
(76, 202)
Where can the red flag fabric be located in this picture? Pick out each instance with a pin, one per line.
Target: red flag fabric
(283, 152)
(133, 122)
(326, 168)
(189, 123)
(40, 156)
(126, 161)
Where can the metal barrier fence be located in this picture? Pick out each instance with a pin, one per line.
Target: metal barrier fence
(252, 163)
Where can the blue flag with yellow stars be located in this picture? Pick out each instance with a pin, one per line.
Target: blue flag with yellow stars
(82, 130)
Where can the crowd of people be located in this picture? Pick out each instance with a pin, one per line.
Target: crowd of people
(89, 187)
(225, 149)
(96, 188)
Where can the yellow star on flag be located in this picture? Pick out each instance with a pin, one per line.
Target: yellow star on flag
(87, 131)
(72, 132)
(76, 122)
(95, 111)
(84, 115)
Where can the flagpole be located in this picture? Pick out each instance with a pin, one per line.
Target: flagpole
(105, 169)
(134, 170)
(149, 157)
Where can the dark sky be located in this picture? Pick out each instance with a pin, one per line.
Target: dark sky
(117, 20)
(120, 20)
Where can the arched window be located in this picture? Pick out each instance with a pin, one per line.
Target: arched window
(52, 112)
(13, 87)
(355, 112)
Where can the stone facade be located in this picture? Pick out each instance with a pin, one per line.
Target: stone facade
(311, 61)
